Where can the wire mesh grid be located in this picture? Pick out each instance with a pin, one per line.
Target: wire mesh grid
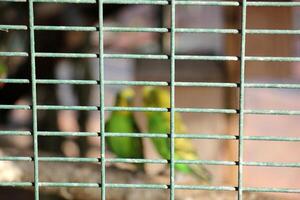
(241, 112)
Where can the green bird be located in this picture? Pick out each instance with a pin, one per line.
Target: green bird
(124, 122)
(159, 122)
(3, 72)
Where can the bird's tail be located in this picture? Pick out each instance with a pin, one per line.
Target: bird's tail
(201, 172)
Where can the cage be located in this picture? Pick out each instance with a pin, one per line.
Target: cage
(230, 68)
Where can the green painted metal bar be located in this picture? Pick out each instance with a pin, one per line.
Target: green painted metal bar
(277, 190)
(149, 109)
(206, 30)
(273, 138)
(69, 159)
(272, 31)
(242, 99)
(151, 161)
(16, 184)
(158, 135)
(136, 56)
(158, 83)
(15, 107)
(150, 186)
(202, 187)
(136, 29)
(273, 85)
(273, 4)
(272, 59)
(16, 158)
(8, 27)
(66, 28)
(15, 133)
(69, 184)
(13, 54)
(21, 81)
(273, 112)
(102, 99)
(149, 29)
(211, 58)
(59, 133)
(34, 100)
(167, 2)
(66, 55)
(172, 98)
(149, 56)
(138, 186)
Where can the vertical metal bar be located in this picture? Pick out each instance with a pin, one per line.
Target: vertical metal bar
(172, 100)
(242, 99)
(34, 104)
(102, 113)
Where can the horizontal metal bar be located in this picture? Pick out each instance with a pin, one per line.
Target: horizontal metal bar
(68, 184)
(207, 3)
(16, 158)
(272, 59)
(138, 186)
(154, 109)
(207, 110)
(137, 83)
(17, 133)
(65, 55)
(151, 161)
(149, 186)
(145, 135)
(150, 29)
(16, 184)
(149, 2)
(273, 3)
(73, 82)
(178, 2)
(15, 107)
(279, 190)
(272, 164)
(203, 187)
(137, 109)
(157, 83)
(7, 28)
(59, 107)
(129, 160)
(163, 161)
(273, 31)
(153, 56)
(13, 54)
(273, 85)
(209, 58)
(69, 159)
(137, 56)
(155, 135)
(136, 29)
(273, 112)
(122, 56)
(65, 28)
(273, 138)
(21, 81)
(59, 133)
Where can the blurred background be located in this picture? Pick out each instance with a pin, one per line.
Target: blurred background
(210, 44)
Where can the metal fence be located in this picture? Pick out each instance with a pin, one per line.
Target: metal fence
(241, 112)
